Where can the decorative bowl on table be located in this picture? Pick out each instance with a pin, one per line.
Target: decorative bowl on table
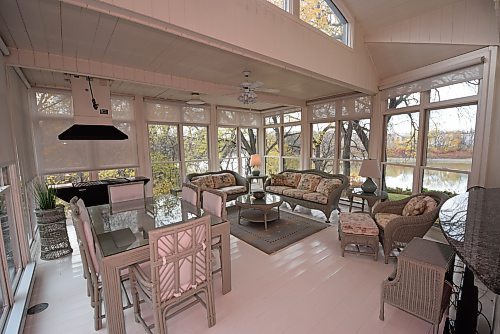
(259, 194)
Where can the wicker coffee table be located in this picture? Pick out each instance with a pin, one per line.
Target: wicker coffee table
(258, 210)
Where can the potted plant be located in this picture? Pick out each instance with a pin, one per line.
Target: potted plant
(51, 219)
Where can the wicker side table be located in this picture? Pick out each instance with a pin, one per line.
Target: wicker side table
(54, 242)
(419, 286)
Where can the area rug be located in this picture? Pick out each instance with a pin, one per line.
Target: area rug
(280, 233)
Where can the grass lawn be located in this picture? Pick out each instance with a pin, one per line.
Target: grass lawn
(396, 197)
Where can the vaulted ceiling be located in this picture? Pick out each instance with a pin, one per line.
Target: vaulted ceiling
(54, 27)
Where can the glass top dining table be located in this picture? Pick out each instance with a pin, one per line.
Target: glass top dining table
(123, 226)
(121, 232)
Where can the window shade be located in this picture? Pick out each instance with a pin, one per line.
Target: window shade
(238, 118)
(175, 112)
(54, 114)
(354, 107)
(461, 75)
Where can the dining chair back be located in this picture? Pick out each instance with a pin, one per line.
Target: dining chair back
(125, 192)
(180, 270)
(214, 202)
(191, 193)
(91, 270)
(81, 221)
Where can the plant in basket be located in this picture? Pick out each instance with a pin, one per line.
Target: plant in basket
(51, 220)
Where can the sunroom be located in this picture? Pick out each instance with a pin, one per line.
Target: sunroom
(331, 110)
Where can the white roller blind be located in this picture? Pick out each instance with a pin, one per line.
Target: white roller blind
(461, 75)
(353, 107)
(161, 111)
(176, 112)
(54, 113)
(238, 118)
(119, 153)
(7, 153)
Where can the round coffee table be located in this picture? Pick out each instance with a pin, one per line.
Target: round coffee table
(258, 210)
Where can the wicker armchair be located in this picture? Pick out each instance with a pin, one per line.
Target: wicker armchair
(400, 231)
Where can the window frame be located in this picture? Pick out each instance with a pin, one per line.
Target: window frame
(281, 125)
(424, 109)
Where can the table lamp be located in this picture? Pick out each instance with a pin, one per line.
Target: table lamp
(255, 163)
(369, 168)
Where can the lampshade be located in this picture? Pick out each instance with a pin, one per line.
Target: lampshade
(370, 168)
(255, 160)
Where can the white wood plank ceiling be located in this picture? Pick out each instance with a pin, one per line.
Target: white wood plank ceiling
(53, 27)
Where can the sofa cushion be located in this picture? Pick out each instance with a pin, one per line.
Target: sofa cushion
(415, 206)
(316, 197)
(295, 193)
(234, 190)
(327, 186)
(383, 219)
(309, 182)
(277, 189)
(291, 179)
(430, 204)
(204, 181)
(223, 180)
(278, 180)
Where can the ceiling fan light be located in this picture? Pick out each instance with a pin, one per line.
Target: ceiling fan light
(195, 100)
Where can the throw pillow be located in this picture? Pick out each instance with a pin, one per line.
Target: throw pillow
(204, 181)
(277, 180)
(291, 179)
(326, 186)
(415, 206)
(430, 204)
(223, 180)
(309, 182)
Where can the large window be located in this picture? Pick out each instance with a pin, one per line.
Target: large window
(195, 140)
(178, 142)
(325, 16)
(10, 261)
(323, 147)
(165, 158)
(401, 152)
(429, 136)
(227, 142)
(282, 141)
(237, 135)
(340, 135)
(354, 140)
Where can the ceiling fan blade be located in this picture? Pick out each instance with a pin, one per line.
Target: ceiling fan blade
(256, 84)
(268, 90)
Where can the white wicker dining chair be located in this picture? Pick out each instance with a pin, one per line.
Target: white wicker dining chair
(125, 192)
(191, 193)
(180, 270)
(214, 202)
(91, 270)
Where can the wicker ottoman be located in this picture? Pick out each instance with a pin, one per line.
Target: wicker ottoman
(358, 229)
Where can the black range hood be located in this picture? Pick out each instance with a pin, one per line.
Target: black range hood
(91, 111)
(92, 132)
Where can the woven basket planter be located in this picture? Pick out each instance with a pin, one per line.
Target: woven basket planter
(54, 242)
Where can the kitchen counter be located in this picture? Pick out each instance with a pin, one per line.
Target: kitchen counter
(93, 192)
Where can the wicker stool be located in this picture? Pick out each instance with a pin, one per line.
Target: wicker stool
(54, 242)
(358, 229)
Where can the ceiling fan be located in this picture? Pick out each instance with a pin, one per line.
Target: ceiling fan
(248, 89)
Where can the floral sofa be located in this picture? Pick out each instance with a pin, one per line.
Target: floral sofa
(229, 182)
(309, 188)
